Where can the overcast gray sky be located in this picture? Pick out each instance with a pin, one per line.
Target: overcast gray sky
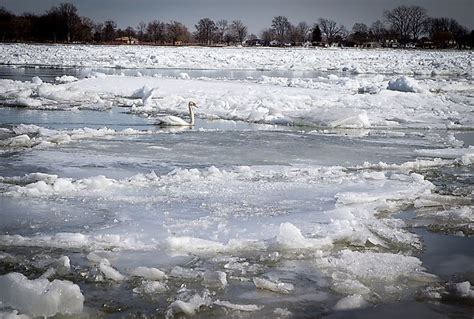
(256, 14)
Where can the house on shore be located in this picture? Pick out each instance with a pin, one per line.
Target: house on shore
(371, 45)
(126, 40)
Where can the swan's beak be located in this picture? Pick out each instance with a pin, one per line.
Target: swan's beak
(193, 104)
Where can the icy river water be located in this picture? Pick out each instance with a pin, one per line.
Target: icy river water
(235, 219)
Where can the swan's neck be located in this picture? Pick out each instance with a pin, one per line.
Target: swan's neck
(191, 115)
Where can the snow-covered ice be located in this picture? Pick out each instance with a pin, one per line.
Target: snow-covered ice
(342, 60)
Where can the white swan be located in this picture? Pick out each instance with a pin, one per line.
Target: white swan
(170, 120)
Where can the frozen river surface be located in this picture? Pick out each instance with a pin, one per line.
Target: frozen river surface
(294, 195)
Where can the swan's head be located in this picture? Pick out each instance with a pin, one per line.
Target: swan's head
(192, 104)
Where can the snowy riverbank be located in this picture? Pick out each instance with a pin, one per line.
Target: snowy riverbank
(380, 61)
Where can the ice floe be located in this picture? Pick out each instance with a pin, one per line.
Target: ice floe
(148, 273)
(151, 288)
(110, 272)
(215, 279)
(29, 136)
(371, 268)
(239, 307)
(191, 306)
(317, 102)
(279, 287)
(348, 213)
(40, 297)
(465, 155)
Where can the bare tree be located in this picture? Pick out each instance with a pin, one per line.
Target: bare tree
(399, 19)
(109, 30)
(238, 30)
(297, 33)
(293, 35)
(156, 31)
(444, 25)
(205, 31)
(303, 29)
(267, 36)
(281, 27)
(222, 27)
(378, 30)
(360, 33)
(130, 33)
(360, 27)
(418, 20)
(85, 30)
(316, 34)
(22, 26)
(98, 30)
(62, 22)
(177, 32)
(141, 28)
(407, 21)
(443, 30)
(330, 30)
(69, 13)
(6, 24)
(435, 25)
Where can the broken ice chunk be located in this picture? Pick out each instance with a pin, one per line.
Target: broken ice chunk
(216, 279)
(280, 287)
(40, 297)
(151, 287)
(351, 302)
(239, 307)
(109, 271)
(189, 307)
(148, 273)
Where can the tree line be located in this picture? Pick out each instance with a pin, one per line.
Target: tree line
(401, 26)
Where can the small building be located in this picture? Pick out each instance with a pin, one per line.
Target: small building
(391, 43)
(126, 40)
(253, 42)
(318, 44)
(371, 45)
(274, 43)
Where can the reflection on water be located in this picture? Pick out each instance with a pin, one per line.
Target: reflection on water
(26, 73)
(407, 309)
(466, 137)
(49, 74)
(450, 257)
